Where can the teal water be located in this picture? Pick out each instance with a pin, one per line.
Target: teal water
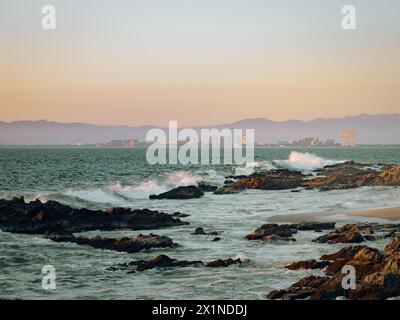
(35, 170)
(101, 178)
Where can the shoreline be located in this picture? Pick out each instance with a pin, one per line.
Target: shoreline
(392, 213)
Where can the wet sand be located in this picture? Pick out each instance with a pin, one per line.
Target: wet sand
(386, 213)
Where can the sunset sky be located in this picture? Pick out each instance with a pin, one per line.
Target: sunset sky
(199, 62)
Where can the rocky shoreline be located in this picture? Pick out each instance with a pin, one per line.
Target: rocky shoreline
(59, 223)
(346, 175)
(163, 261)
(36, 217)
(378, 275)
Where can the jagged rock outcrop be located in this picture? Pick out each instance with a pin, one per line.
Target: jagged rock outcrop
(223, 263)
(285, 232)
(163, 261)
(36, 217)
(200, 231)
(207, 187)
(180, 193)
(377, 275)
(307, 264)
(159, 262)
(270, 180)
(269, 231)
(131, 245)
(349, 233)
(341, 179)
(345, 175)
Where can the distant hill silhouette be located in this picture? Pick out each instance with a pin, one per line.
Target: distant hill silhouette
(371, 129)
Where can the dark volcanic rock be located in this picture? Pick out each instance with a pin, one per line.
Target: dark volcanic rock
(198, 231)
(311, 287)
(207, 187)
(223, 263)
(272, 229)
(134, 244)
(347, 176)
(53, 217)
(345, 253)
(377, 275)
(180, 215)
(184, 192)
(227, 190)
(274, 237)
(161, 261)
(307, 264)
(348, 168)
(349, 233)
(285, 232)
(270, 180)
(304, 226)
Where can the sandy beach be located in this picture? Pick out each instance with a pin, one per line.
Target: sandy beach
(386, 213)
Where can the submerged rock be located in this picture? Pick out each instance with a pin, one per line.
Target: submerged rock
(275, 237)
(200, 231)
(131, 245)
(53, 217)
(223, 263)
(184, 192)
(285, 232)
(161, 261)
(207, 187)
(180, 215)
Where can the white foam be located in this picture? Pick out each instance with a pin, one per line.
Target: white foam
(242, 257)
(250, 167)
(147, 188)
(213, 177)
(181, 178)
(93, 195)
(141, 191)
(305, 161)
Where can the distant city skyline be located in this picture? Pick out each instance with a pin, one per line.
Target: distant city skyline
(369, 129)
(138, 62)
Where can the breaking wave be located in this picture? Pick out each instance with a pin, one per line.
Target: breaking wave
(305, 161)
(251, 167)
(296, 161)
(119, 194)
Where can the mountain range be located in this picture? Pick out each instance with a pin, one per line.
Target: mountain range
(370, 129)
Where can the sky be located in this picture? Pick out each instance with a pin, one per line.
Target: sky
(139, 62)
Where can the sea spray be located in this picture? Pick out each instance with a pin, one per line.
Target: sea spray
(305, 161)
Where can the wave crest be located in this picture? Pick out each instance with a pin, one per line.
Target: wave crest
(305, 161)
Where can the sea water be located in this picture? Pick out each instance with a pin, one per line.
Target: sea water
(99, 178)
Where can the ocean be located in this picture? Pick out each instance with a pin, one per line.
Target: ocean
(99, 178)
